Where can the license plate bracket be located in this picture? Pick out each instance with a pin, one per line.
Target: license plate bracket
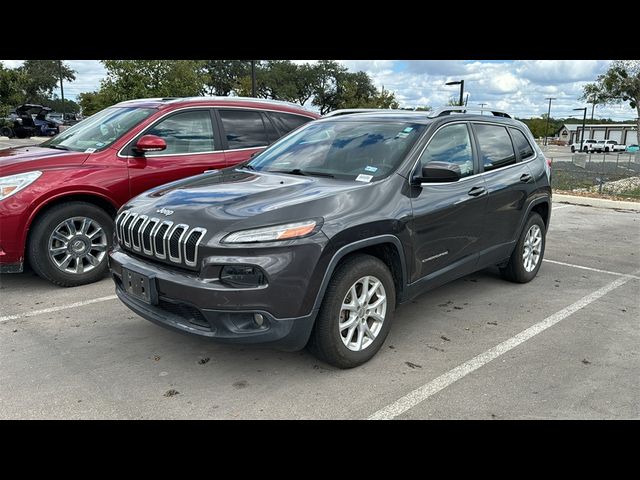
(140, 285)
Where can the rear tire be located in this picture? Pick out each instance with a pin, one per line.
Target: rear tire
(6, 132)
(348, 337)
(528, 253)
(52, 243)
(573, 149)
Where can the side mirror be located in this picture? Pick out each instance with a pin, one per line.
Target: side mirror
(439, 172)
(150, 143)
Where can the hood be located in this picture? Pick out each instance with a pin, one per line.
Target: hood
(25, 159)
(226, 201)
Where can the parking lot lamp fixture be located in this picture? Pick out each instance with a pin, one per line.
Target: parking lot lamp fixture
(461, 83)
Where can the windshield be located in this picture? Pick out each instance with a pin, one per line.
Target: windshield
(353, 150)
(100, 130)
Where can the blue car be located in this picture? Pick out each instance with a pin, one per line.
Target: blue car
(633, 148)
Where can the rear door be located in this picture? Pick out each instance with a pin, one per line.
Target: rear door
(509, 182)
(193, 147)
(448, 217)
(244, 133)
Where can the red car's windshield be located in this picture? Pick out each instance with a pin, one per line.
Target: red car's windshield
(100, 130)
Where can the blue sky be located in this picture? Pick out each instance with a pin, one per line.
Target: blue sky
(518, 86)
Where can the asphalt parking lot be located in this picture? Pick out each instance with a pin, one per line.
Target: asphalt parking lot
(566, 345)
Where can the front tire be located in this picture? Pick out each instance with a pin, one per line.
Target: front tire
(527, 256)
(356, 313)
(69, 243)
(573, 149)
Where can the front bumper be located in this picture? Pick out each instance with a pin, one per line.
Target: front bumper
(186, 303)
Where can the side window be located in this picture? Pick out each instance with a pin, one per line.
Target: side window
(496, 149)
(244, 128)
(451, 144)
(187, 132)
(288, 121)
(522, 144)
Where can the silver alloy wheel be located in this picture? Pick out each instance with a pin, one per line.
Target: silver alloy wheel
(532, 246)
(362, 313)
(77, 245)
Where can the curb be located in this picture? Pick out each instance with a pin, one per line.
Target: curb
(596, 202)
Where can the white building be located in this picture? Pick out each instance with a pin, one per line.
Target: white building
(625, 133)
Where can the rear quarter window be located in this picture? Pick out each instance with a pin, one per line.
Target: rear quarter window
(522, 145)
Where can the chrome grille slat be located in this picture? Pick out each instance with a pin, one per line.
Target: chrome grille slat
(136, 228)
(201, 231)
(152, 222)
(137, 232)
(184, 228)
(126, 229)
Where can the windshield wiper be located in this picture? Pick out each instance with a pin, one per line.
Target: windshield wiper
(247, 166)
(306, 173)
(58, 147)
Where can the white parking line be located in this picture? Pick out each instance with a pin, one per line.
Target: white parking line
(592, 269)
(422, 393)
(554, 208)
(56, 309)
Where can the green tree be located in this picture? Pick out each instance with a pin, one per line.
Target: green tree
(327, 88)
(56, 104)
(129, 79)
(221, 77)
(11, 93)
(92, 102)
(619, 84)
(41, 77)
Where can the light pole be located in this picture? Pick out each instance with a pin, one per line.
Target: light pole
(61, 88)
(461, 83)
(584, 120)
(546, 130)
(481, 108)
(253, 78)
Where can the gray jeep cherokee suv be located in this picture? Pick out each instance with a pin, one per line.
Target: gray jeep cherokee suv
(319, 238)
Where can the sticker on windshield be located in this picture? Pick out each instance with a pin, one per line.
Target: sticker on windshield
(363, 178)
(402, 135)
(408, 130)
(99, 144)
(370, 169)
(90, 150)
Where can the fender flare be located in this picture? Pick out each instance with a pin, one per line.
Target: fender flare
(352, 247)
(538, 201)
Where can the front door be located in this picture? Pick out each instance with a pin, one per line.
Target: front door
(448, 217)
(192, 148)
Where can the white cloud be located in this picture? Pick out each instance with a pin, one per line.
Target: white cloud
(519, 87)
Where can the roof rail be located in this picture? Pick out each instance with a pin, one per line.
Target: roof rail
(440, 112)
(349, 111)
(233, 98)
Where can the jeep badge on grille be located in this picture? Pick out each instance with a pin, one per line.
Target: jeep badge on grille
(165, 211)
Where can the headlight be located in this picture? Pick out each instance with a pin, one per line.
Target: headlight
(277, 232)
(14, 183)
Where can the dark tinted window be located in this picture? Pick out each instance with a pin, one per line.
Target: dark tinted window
(187, 132)
(522, 144)
(289, 121)
(452, 145)
(272, 133)
(244, 128)
(496, 149)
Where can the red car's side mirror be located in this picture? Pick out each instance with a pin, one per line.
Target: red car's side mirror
(150, 143)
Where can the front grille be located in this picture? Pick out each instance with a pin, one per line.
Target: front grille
(160, 239)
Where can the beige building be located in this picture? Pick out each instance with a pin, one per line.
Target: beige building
(624, 133)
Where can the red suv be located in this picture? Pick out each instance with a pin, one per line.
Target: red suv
(58, 199)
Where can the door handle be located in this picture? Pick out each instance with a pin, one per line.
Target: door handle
(526, 178)
(477, 191)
